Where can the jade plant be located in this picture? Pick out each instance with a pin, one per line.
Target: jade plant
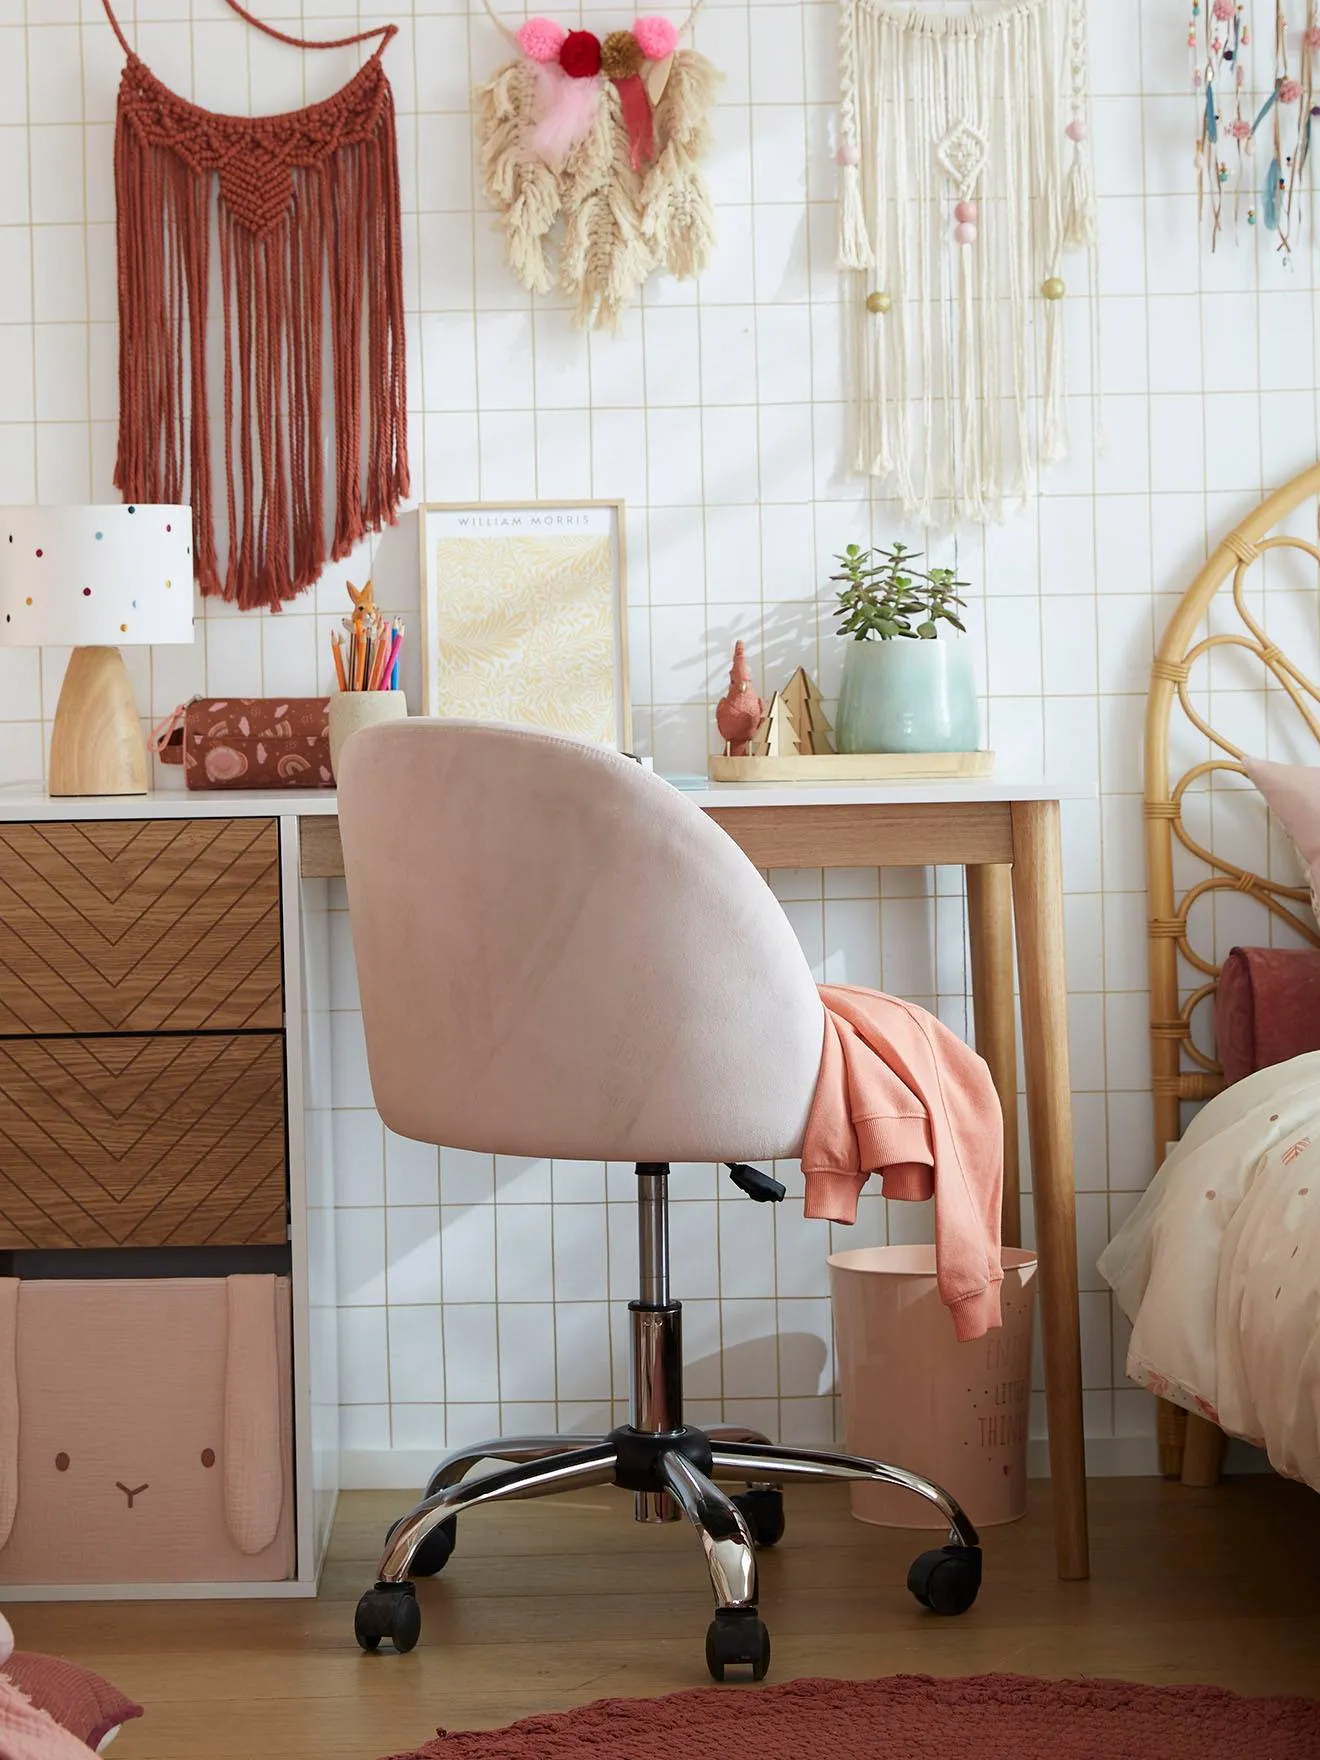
(886, 595)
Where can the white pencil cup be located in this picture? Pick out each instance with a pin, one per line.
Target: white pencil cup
(351, 711)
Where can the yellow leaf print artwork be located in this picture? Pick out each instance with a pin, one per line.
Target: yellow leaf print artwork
(525, 632)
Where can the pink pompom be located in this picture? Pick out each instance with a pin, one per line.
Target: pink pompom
(1311, 37)
(541, 39)
(847, 154)
(1224, 8)
(1290, 90)
(965, 211)
(1077, 129)
(656, 37)
(965, 232)
(1240, 129)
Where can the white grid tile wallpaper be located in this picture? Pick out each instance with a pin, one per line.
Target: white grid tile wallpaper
(473, 1291)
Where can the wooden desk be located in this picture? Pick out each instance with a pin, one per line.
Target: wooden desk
(1006, 836)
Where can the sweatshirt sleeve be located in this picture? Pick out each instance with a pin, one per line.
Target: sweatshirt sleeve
(864, 1120)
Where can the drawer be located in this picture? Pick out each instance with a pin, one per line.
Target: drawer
(140, 925)
(126, 1141)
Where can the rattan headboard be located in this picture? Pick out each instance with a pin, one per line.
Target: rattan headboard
(1182, 1070)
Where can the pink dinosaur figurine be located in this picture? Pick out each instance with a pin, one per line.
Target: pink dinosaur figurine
(739, 714)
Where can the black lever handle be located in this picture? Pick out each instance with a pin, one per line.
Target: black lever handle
(758, 1186)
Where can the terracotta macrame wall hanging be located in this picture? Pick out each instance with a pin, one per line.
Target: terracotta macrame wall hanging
(964, 178)
(299, 214)
(605, 140)
(1253, 147)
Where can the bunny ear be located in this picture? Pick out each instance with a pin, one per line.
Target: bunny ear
(9, 1287)
(254, 1469)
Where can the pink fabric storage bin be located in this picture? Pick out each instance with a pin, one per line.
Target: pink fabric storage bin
(957, 1413)
(146, 1431)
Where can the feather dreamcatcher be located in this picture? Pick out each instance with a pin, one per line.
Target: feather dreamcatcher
(1248, 146)
(591, 152)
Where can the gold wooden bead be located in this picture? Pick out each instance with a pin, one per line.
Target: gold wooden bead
(878, 302)
(1054, 288)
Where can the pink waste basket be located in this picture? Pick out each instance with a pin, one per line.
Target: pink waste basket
(914, 1396)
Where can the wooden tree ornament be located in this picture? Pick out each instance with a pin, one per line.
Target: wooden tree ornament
(807, 709)
(777, 737)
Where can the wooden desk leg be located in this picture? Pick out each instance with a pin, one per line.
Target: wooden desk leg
(990, 920)
(1038, 910)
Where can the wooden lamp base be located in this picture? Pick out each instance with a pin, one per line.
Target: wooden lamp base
(96, 744)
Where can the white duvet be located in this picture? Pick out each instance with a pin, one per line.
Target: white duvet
(1218, 1267)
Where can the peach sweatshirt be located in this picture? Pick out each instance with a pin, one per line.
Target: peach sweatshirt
(901, 1095)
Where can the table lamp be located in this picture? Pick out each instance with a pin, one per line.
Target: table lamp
(94, 578)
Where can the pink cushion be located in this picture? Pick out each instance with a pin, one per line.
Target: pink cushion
(84, 1704)
(1292, 792)
(1267, 1008)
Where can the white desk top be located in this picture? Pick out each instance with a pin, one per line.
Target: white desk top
(29, 800)
(932, 792)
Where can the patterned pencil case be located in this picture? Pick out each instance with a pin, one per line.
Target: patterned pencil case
(249, 742)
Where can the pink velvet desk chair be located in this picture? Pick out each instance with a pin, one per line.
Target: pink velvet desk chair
(579, 964)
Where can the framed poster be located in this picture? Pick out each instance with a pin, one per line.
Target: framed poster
(524, 616)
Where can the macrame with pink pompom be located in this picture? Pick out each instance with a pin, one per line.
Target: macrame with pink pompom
(591, 151)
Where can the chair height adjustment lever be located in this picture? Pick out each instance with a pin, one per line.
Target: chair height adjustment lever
(757, 1185)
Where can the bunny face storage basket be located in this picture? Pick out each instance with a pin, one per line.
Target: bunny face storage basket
(146, 1431)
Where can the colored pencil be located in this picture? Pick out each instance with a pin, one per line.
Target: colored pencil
(389, 671)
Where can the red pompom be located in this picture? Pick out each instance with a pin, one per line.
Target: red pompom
(579, 55)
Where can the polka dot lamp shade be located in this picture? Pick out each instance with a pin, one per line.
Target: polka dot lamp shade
(95, 576)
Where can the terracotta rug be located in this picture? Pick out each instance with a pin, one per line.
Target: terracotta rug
(910, 1717)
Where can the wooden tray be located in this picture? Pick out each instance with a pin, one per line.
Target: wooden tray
(855, 767)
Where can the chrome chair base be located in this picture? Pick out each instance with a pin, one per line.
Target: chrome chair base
(672, 1470)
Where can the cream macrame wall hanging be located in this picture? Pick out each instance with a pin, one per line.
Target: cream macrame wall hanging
(964, 178)
(591, 151)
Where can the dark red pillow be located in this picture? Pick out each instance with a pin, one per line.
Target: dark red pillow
(1267, 1008)
(84, 1704)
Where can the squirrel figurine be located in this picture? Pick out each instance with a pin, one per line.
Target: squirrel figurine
(740, 713)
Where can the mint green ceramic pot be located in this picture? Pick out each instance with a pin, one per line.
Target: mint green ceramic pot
(909, 695)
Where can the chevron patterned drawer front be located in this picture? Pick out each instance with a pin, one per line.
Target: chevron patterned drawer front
(145, 1142)
(140, 925)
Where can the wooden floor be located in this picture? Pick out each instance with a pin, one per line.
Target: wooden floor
(548, 1605)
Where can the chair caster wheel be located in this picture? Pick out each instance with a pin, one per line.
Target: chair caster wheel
(947, 1581)
(433, 1554)
(737, 1639)
(763, 1511)
(390, 1611)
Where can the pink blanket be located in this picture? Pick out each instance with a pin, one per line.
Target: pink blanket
(29, 1734)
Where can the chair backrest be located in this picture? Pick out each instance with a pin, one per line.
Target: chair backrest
(559, 955)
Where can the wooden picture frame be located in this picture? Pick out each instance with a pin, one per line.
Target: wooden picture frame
(524, 615)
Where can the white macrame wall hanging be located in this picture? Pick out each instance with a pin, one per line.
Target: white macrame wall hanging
(964, 179)
(591, 153)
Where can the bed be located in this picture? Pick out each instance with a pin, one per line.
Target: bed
(1217, 1265)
